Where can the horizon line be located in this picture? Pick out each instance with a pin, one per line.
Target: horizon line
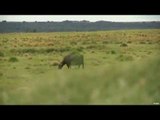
(80, 21)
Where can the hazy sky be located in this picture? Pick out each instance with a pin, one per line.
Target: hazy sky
(92, 18)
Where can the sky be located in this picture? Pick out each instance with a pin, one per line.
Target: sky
(91, 18)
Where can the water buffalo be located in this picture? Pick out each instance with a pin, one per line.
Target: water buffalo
(72, 59)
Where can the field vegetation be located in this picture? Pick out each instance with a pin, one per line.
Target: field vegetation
(120, 67)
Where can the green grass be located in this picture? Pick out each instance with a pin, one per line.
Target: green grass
(112, 74)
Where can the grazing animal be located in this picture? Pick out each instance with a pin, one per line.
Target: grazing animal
(72, 59)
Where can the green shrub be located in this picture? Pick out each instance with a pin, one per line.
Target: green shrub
(14, 67)
(129, 41)
(113, 52)
(1, 74)
(80, 49)
(123, 45)
(27, 67)
(1, 54)
(92, 51)
(13, 59)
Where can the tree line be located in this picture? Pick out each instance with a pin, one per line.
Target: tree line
(50, 26)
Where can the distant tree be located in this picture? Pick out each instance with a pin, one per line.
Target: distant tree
(34, 30)
(4, 21)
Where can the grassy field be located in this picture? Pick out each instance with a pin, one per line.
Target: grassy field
(121, 67)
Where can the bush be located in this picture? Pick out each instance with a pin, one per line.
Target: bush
(149, 52)
(1, 74)
(1, 54)
(104, 57)
(13, 59)
(113, 52)
(27, 67)
(129, 41)
(123, 45)
(80, 49)
(92, 51)
(14, 67)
